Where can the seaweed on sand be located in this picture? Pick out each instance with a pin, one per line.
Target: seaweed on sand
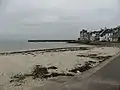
(83, 68)
(17, 79)
(93, 62)
(54, 74)
(52, 67)
(89, 64)
(102, 57)
(38, 72)
(95, 56)
(89, 55)
(42, 72)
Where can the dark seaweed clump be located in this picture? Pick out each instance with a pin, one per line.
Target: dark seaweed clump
(52, 67)
(95, 56)
(38, 72)
(83, 68)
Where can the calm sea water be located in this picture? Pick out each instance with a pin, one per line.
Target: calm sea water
(15, 45)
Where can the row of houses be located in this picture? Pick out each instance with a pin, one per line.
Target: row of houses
(110, 35)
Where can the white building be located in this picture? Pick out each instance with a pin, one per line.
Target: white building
(106, 35)
(95, 35)
(84, 35)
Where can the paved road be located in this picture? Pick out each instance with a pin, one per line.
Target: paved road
(107, 78)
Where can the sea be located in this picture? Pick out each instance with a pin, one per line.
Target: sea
(18, 45)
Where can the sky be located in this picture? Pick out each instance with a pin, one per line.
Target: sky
(55, 19)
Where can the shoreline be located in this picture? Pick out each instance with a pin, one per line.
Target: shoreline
(77, 46)
(46, 50)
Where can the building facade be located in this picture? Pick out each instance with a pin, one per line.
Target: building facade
(84, 35)
(109, 35)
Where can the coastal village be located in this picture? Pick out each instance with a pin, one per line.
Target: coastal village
(106, 34)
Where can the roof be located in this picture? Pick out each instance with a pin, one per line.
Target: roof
(96, 32)
(106, 31)
(83, 31)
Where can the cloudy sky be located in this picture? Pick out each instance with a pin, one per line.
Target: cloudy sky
(55, 19)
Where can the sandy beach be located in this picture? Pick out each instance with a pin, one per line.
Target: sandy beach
(65, 61)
